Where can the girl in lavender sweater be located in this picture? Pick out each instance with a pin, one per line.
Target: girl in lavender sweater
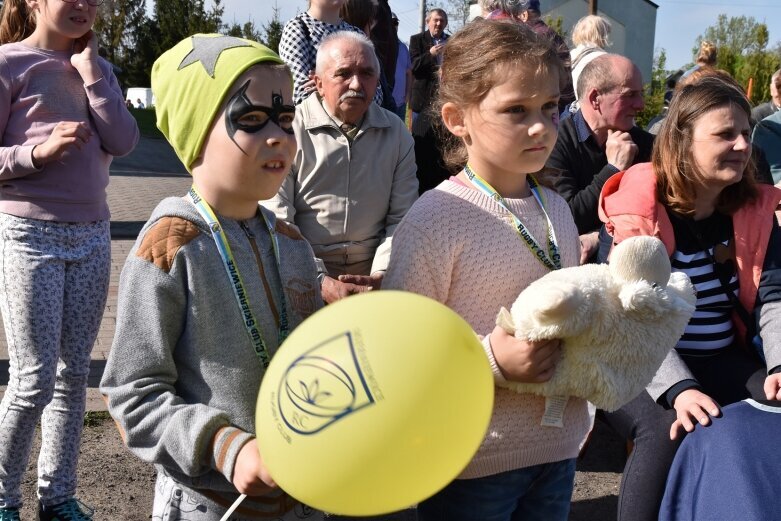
(475, 242)
(62, 118)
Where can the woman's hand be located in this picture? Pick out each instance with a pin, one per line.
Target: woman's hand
(589, 244)
(522, 361)
(773, 387)
(66, 134)
(85, 58)
(692, 407)
(250, 475)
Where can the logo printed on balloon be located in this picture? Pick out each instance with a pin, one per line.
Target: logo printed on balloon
(316, 391)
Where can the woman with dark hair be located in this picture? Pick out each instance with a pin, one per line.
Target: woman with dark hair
(363, 15)
(699, 196)
(360, 14)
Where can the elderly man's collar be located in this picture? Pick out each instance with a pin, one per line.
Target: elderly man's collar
(348, 129)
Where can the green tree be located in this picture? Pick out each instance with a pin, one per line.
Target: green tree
(654, 91)
(116, 25)
(138, 65)
(557, 24)
(273, 30)
(177, 19)
(248, 31)
(234, 29)
(742, 51)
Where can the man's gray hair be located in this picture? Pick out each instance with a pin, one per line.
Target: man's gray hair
(439, 10)
(597, 74)
(345, 36)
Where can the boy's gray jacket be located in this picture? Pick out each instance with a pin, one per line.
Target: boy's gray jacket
(183, 377)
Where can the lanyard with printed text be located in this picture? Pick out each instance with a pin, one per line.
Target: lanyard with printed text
(232, 269)
(550, 258)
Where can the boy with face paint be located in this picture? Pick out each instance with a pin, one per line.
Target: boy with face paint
(212, 286)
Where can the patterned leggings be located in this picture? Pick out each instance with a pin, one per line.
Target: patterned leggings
(53, 286)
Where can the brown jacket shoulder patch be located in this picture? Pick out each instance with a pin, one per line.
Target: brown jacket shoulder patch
(288, 230)
(163, 240)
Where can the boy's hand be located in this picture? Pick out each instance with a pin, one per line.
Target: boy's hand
(66, 134)
(85, 58)
(333, 290)
(522, 361)
(692, 407)
(250, 475)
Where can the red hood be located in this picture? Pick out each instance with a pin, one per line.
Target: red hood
(630, 192)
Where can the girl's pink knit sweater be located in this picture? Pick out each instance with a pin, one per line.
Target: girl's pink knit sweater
(459, 247)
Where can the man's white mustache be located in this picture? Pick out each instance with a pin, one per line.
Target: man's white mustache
(352, 94)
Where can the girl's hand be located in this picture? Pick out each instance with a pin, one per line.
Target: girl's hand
(521, 361)
(773, 387)
(250, 475)
(85, 57)
(692, 407)
(66, 134)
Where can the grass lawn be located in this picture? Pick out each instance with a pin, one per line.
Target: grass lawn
(146, 123)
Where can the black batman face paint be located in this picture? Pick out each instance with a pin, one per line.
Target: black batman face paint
(242, 115)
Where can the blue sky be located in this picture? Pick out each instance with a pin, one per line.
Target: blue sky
(678, 22)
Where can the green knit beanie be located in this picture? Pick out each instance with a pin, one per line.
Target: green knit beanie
(190, 81)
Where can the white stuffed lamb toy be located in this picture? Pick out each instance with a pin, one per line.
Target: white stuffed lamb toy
(617, 322)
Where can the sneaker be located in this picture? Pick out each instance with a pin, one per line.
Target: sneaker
(71, 510)
(9, 514)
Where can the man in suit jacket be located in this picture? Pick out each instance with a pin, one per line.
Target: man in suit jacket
(426, 54)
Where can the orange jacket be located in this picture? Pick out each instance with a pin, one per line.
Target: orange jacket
(628, 207)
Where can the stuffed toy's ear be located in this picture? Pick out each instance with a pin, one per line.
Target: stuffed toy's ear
(642, 296)
(556, 304)
(505, 321)
(682, 291)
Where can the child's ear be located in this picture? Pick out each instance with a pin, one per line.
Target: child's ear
(453, 118)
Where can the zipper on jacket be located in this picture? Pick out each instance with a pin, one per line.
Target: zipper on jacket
(254, 245)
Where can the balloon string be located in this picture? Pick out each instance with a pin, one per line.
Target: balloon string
(233, 507)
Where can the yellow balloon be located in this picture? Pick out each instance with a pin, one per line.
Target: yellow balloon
(374, 403)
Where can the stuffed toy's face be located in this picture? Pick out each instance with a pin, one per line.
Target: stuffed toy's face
(641, 258)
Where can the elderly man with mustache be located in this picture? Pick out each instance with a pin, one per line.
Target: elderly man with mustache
(353, 177)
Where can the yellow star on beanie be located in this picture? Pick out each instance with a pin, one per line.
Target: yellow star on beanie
(191, 80)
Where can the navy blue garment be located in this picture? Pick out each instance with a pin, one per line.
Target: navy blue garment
(729, 470)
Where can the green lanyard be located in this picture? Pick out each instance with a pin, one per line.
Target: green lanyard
(232, 269)
(551, 258)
